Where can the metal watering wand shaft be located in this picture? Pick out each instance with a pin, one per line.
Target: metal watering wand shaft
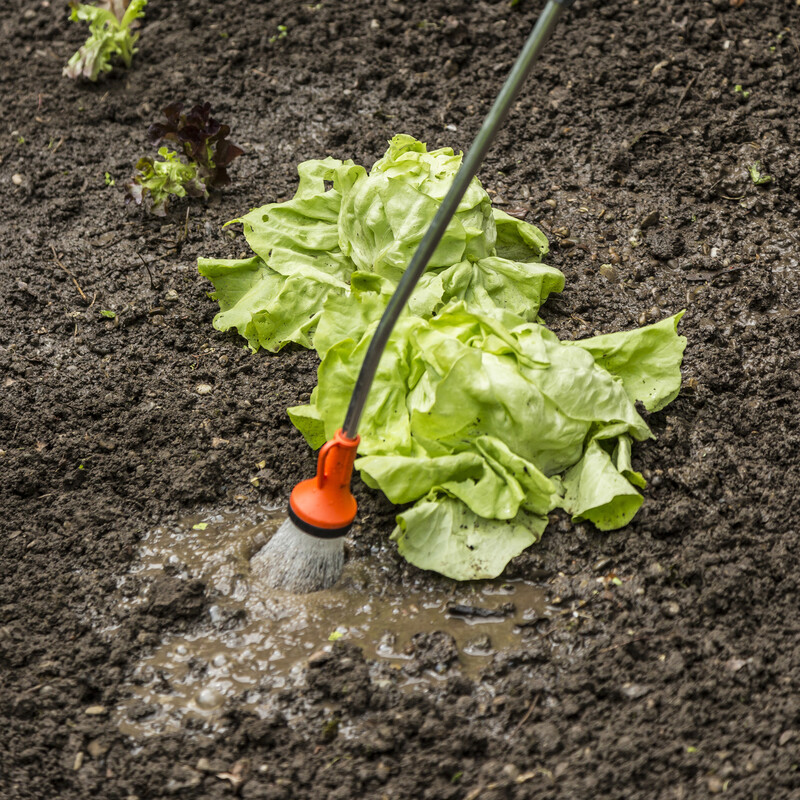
(324, 506)
(469, 168)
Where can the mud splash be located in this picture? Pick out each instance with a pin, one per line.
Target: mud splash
(258, 640)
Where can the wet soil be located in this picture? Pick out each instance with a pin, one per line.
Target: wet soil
(669, 666)
(257, 640)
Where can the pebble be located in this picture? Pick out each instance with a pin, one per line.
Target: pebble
(735, 664)
(209, 698)
(633, 691)
(482, 643)
(655, 569)
(671, 609)
(450, 69)
(715, 785)
(96, 711)
(319, 658)
(203, 388)
(97, 748)
(17, 179)
(608, 272)
(171, 296)
(650, 220)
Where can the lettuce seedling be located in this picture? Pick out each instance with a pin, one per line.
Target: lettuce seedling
(110, 35)
(199, 137)
(160, 179)
(757, 176)
(200, 163)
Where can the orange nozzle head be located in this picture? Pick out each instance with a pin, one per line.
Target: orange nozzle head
(324, 506)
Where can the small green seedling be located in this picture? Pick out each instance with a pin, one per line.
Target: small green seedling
(739, 90)
(107, 313)
(110, 35)
(757, 176)
(109, 180)
(281, 34)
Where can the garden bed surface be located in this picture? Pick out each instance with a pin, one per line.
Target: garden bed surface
(630, 148)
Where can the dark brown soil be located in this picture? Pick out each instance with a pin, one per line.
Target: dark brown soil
(682, 681)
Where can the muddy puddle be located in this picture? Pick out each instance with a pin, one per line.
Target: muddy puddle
(256, 640)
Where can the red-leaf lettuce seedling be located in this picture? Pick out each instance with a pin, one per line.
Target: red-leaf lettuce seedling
(198, 163)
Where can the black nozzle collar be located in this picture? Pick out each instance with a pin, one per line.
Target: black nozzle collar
(313, 530)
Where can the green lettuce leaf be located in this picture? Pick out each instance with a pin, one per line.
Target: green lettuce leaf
(598, 492)
(646, 360)
(442, 534)
(160, 180)
(445, 416)
(346, 227)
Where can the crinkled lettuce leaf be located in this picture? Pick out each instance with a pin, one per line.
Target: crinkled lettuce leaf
(346, 226)
(440, 533)
(596, 490)
(647, 360)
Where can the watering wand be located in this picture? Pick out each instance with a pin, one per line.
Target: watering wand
(307, 552)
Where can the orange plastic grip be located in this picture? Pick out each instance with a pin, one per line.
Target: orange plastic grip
(343, 452)
(325, 502)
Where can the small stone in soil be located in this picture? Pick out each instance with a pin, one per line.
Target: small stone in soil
(633, 691)
(480, 643)
(209, 698)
